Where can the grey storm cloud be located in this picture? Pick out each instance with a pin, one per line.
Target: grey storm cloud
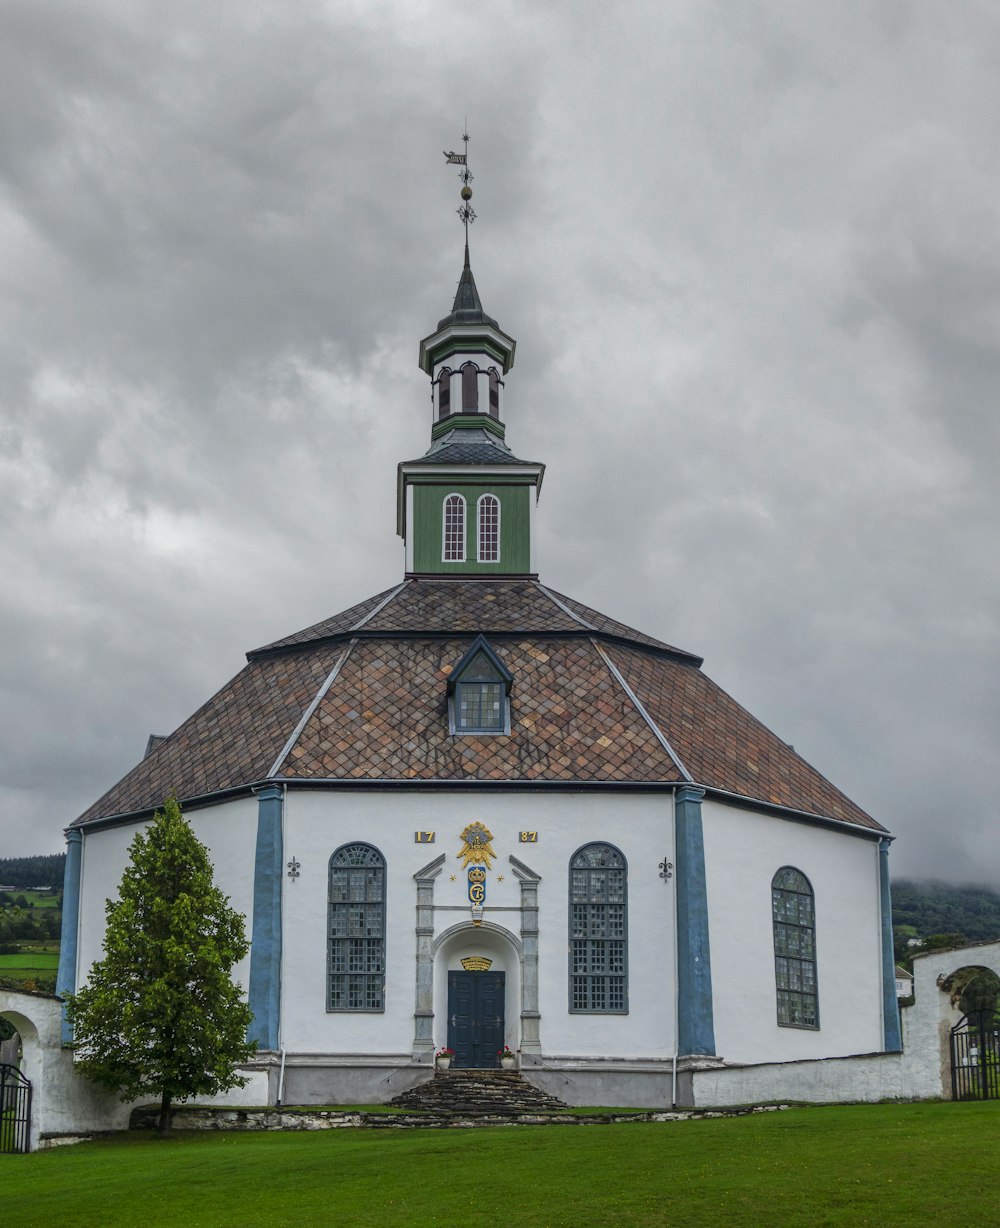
(750, 256)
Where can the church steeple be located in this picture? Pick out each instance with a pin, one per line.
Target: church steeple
(467, 506)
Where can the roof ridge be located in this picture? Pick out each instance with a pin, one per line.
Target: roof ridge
(640, 708)
(311, 708)
(381, 606)
(565, 608)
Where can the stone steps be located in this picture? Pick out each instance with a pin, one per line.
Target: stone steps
(478, 1093)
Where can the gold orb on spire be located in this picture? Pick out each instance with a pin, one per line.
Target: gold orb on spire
(466, 192)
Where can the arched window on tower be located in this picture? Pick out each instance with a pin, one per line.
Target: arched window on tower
(794, 916)
(444, 393)
(453, 530)
(488, 510)
(470, 387)
(598, 931)
(356, 930)
(494, 393)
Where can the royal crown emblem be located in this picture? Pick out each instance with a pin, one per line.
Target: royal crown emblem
(476, 846)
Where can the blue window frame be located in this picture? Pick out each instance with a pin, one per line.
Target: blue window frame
(598, 931)
(356, 930)
(793, 913)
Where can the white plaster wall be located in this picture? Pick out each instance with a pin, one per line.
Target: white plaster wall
(229, 831)
(743, 850)
(63, 1102)
(317, 823)
(869, 1077)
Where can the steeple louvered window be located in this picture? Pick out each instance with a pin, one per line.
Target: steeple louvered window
(793, 914)
(488, 514)
(356, 930)
(444, 393)
(453, 530)
(470, 387)
(598, 931)
(494, 393)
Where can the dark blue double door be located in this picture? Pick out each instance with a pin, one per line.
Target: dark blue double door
(476, 1018)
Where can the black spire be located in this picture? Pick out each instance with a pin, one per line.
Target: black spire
(467, 309)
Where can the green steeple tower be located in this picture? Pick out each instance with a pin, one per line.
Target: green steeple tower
(466, 507)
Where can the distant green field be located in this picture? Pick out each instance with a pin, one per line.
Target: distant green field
(29, 966)
(885, 1165)
(30, 959)
(41, 899)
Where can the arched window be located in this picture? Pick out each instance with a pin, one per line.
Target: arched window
(794, 916)
(494, 393)
(453, 530)
(489, 529)
(444, 393)
(470, 387)
(598, 930)
(356, 930)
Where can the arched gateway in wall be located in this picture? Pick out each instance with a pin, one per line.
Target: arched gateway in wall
(952, 1045)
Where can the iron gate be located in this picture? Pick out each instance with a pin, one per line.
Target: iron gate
(975, 1057)
(15, 1111)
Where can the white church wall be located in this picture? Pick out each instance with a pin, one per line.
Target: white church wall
(229, 833)
(317, 823)
(743, 850)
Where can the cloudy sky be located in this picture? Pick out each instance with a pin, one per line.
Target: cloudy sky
(751, 256)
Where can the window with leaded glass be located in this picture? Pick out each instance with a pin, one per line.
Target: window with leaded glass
(489, 529)
(356, 930)
(453, 530)
(478, 692)
(444, 393)
(794, 916)
(598, 930)
(479, 697)
(470, 386)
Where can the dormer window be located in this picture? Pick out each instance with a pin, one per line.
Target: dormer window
(444, 393)
(470, 387)
(479, 692)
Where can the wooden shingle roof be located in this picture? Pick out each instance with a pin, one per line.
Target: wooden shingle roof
(362, 697)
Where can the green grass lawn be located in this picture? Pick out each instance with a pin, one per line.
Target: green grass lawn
(926, 1164)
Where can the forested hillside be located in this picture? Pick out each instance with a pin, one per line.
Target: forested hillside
(45, 870)
(971, 913)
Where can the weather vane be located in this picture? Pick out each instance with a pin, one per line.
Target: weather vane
(465, 211)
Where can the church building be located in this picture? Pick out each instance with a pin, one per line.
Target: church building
(472, 812)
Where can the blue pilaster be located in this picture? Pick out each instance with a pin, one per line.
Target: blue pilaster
(66, 976)
(695, 1023)
(892, 1039)
(265, 948)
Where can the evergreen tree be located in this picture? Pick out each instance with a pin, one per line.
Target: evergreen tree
(160, 1013)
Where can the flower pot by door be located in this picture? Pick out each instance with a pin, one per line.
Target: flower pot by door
(508, 1063)
(443, 1063)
